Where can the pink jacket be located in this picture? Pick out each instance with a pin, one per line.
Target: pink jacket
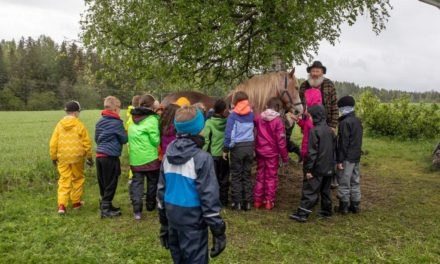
(270, 140)
(306, 125)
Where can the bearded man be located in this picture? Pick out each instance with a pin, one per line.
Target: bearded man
(317, 80)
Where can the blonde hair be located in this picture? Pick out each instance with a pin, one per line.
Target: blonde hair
(186, 113)
(112, 103)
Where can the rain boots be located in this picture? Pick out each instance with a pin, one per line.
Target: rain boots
(107, 210)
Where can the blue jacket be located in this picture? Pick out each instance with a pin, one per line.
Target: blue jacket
(188, 191)
(239, 129)
(110, 135)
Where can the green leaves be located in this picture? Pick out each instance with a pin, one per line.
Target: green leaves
(204, 42)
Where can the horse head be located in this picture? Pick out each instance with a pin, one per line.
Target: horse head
(289, 93)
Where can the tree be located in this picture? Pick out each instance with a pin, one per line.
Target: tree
(207, 41)
(3, 71)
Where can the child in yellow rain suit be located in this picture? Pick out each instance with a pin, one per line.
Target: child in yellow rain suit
(70, 145)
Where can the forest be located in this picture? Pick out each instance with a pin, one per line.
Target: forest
(40, 74)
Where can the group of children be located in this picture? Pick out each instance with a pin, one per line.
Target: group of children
(189, 161)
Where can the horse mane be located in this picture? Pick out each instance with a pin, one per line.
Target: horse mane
(260, 88)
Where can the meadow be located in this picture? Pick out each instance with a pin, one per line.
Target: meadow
(399, 222)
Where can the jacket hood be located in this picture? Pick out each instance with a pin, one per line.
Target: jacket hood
(318, 114)
(269, 115)
(218, 120)
(69, 122)
(140, 113)
(242, 107)
(110, 114)
(181, 150)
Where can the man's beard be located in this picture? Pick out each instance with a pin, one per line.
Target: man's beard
(315, 82)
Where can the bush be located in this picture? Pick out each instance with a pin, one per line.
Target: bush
(400, 118)
(43, 101)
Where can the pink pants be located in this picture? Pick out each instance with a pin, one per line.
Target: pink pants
(267, 179)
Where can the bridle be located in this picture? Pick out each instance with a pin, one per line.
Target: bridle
(285, 91)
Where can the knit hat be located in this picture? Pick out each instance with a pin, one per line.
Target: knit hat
(72, 106)
(183, 101)
(346, 101)
(193, 126)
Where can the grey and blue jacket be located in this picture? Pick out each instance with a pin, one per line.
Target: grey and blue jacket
(188, 191)
(239, 129)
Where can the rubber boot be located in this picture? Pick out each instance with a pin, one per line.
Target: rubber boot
(115, 209)
(106, 212)
(247, 206)
(355, 207)
(342, 208)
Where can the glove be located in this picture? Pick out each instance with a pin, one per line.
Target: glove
(90, 162)
(218, 239)
(55, 162)
(163, 235)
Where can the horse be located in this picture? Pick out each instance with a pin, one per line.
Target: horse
(193, 97)
(259, 88)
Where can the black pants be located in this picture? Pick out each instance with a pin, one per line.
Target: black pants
(241, 162)
(188, 246)
(108, 170)
(221, 167)
(312, 189)
(137, 188)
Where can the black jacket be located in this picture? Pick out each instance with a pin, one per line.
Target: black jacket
(349, 139)
(320, 160)
(188, 191)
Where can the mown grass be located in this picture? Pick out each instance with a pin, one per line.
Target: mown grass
(399, 223)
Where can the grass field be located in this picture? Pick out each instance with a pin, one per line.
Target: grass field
(399, 222)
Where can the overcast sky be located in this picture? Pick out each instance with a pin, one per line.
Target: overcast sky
(405, 56)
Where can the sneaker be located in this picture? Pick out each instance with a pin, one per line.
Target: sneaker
(137, 216)
(78, 205)
(61, 209)
(270, 205)
(298, 217)
(258, 204)
(236, 206)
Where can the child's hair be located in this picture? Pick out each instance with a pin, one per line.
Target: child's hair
(147, 101)
(201, 106)
(219, 106)
(111, 103)
(239, 96)
(275, 104)
(135, 100)
(167, 118)
(186, 113)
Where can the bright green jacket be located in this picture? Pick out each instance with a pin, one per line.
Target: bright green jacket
(214, 133)
(144, 138)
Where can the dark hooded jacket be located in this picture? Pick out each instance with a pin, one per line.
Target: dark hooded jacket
(320, 159)
(188, 191)
(110, 134)
(349, 138)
